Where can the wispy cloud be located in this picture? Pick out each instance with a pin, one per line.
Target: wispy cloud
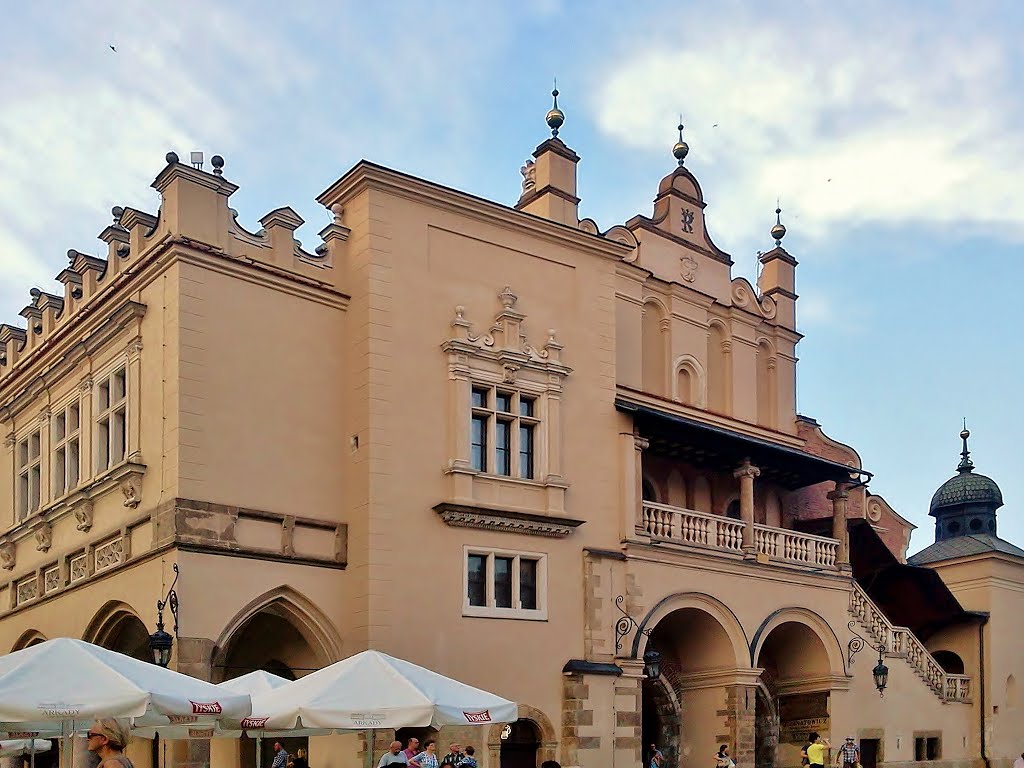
(878, 117)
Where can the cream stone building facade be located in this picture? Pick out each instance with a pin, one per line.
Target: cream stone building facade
(496, 441)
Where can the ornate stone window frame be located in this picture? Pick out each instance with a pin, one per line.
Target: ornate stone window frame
(490, 611)
(502, 358)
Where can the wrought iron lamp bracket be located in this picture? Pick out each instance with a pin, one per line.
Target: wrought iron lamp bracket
(858, 644)
(625, 624)
(170, 602)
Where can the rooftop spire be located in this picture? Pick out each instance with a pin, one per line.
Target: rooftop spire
(555, 117)
(779, 230)
(966, 465)
(681, 149)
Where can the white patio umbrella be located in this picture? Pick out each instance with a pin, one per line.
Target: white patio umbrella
(66, 683)
(373, 690)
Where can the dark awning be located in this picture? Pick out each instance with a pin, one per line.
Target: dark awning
(723, 450)
(910, 596)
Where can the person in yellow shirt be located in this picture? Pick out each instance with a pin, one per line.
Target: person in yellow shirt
(816, 752)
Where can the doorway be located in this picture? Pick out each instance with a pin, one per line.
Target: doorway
(869, 752)
(519, 749)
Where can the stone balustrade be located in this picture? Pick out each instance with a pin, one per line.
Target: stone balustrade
(901, 642)
(685, 526)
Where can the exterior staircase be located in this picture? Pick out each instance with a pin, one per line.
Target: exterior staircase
(900, 642)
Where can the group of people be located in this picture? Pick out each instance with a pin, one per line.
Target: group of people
(813, 752)
(284, 760)
(415, 757)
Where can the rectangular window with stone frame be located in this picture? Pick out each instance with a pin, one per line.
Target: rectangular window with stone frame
(28, 455)
(111, 408)
(504, 584)
(65, 442)
(504, 425)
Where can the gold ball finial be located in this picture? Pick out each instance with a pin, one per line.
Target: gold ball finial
(681, 149)
(779, 230)
(965, 434)
(555, 117)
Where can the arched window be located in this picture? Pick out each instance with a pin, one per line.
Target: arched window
(685, 385)
(950, 662)
(654, 349)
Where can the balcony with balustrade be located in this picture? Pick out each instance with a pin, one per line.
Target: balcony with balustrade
(716, 533)
(711, 489)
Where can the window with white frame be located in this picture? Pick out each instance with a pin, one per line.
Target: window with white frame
(504, 584)
(503, 432)
(65, 468)
(29, 459)
(111, 419)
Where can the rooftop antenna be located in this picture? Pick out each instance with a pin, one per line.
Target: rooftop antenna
(197, 160)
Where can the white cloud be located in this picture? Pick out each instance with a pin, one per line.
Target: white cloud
(850, 121)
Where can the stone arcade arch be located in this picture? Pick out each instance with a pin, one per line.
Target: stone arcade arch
(281, 632)
(548, 738)
(28, 638)
(117, 626)
(801, 660)
(703, 650)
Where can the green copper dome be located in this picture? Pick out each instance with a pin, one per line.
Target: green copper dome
(967, 488)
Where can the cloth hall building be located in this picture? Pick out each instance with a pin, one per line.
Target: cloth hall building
(501, 443)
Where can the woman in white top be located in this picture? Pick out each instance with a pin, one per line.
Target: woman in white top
(428, 757)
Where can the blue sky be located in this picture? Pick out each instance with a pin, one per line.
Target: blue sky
(892, 133)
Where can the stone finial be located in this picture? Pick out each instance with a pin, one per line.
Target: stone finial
(171, 158)
(338, 211)
(117, 211)
(681, 149)
(779, 230)
(555, 117)
(508, 299)
(218, 165)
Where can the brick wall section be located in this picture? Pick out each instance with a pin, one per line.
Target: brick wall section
(628, 726)
(740, 718)
(575, 695)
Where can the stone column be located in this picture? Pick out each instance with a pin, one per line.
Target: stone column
(741, 702)
(839, 498)
(628, 741)
(194, 658)
(746, 474)
(631, 502)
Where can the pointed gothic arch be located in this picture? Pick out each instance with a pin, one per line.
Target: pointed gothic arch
(287, 608)
(27, 639)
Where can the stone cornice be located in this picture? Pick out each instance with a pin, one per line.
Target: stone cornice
(22, 385)
(367, 175)
(491, 519)
(718, 678)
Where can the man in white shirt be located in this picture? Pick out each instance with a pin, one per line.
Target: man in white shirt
(394, 756)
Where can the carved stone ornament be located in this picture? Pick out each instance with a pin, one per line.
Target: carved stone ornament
(460, 516)
(83, 514)
(529, 172)
(7, 555)
(688, 268)
(131, 487)
(10, 439)
(44, 536)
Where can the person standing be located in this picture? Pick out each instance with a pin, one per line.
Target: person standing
(811, 738)
(454, 756)
(428, 757)
(107, 739)
(849, 754)
(412, 748)
(280, 756)
(469, 761)
(816, 752)
(394, 756)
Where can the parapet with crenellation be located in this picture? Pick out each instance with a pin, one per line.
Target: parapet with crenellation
(194, 218)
